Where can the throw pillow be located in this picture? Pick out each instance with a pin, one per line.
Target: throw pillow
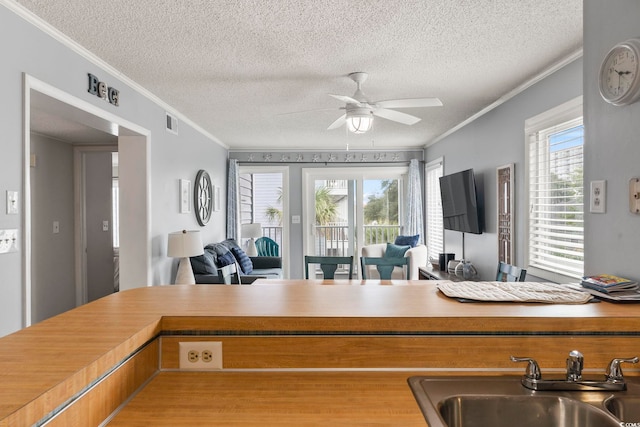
(222, 256)
(226, 259)
(407, 240)
(204, 264)
(243, 259)
(395, 251)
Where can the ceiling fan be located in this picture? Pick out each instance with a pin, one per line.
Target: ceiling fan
(359, 111)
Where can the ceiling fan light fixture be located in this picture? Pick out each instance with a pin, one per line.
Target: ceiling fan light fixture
(359, 120)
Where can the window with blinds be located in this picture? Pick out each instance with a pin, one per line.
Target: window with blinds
(555, 247)
(435, 231)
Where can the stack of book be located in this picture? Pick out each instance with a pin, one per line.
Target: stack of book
(610, 287)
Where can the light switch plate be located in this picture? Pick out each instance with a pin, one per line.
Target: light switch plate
(12, 202)
(634, 195)
(598, 197)
(8, 241)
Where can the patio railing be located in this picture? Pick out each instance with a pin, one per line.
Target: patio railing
(333, 240)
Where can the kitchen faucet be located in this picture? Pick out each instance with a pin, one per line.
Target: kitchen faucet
(613, 379)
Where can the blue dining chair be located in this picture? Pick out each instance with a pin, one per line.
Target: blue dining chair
(328, 265)
(385, 266)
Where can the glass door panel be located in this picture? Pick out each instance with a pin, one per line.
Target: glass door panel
(381, 210)
(334, 222)
(346, 209)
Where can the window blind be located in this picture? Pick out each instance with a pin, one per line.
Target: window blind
(556, 208)
(434, 239)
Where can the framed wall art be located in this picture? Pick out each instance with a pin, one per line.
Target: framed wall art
(505, 220)
(185, 191)
(216, 198)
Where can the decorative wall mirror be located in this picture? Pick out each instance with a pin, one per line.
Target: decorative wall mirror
(203, 197)
(506, 220)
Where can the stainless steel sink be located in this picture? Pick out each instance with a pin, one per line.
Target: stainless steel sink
(625, 408)
(503, 401)
(523, 411)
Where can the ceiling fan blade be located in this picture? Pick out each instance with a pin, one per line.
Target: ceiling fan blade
(339, 122)
(396, 116)
(410, 103)
(346, 99)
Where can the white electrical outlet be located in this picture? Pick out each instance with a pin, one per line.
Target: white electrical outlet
(200, 355)
(598, 197)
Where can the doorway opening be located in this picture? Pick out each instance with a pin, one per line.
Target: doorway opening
(57, 231)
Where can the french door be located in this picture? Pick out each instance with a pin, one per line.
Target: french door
(346, 208)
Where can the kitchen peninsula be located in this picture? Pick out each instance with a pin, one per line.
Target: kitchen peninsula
(294, 352)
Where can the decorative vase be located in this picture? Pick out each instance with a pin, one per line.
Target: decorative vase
(466, 270)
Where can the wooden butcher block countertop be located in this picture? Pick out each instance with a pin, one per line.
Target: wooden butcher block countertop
(45, 365)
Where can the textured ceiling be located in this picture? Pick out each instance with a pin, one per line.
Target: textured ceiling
(237, 68)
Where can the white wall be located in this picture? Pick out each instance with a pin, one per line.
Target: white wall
(493, 140)
(612, 144)
(171, 157)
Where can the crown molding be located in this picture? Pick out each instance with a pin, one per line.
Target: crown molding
(518, 90)
(56, 34)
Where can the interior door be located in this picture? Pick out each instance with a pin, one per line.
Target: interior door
(98, 223)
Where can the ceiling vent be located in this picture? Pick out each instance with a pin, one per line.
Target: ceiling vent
(172, 124)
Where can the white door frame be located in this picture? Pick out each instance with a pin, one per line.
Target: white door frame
(135, 214)
(309, 176)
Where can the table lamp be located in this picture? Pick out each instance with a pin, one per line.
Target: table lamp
(184, 244)
(251, 231)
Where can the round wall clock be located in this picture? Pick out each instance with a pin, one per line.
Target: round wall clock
(619, 73)
(203, 197)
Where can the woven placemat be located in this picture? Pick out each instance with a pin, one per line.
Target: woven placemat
(551, 293)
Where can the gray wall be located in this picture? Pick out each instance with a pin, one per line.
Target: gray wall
(612, 150)
(493, 140)
(612, 145)
(100, 268)
(53, 257)
(171, 157)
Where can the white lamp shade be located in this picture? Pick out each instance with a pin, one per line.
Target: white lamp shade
(251, 231)
(184, 243)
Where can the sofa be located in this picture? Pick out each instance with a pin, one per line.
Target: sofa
(417, 254)
(206, 267)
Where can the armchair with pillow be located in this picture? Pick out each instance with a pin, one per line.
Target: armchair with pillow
(404, 246)
(206, 267)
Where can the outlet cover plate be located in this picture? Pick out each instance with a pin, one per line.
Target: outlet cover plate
(598, 197)
(200, 355)
(12, 202)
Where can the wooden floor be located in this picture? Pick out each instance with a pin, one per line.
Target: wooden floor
(274, 399)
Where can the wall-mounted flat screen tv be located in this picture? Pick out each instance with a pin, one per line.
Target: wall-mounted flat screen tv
(460, 208)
